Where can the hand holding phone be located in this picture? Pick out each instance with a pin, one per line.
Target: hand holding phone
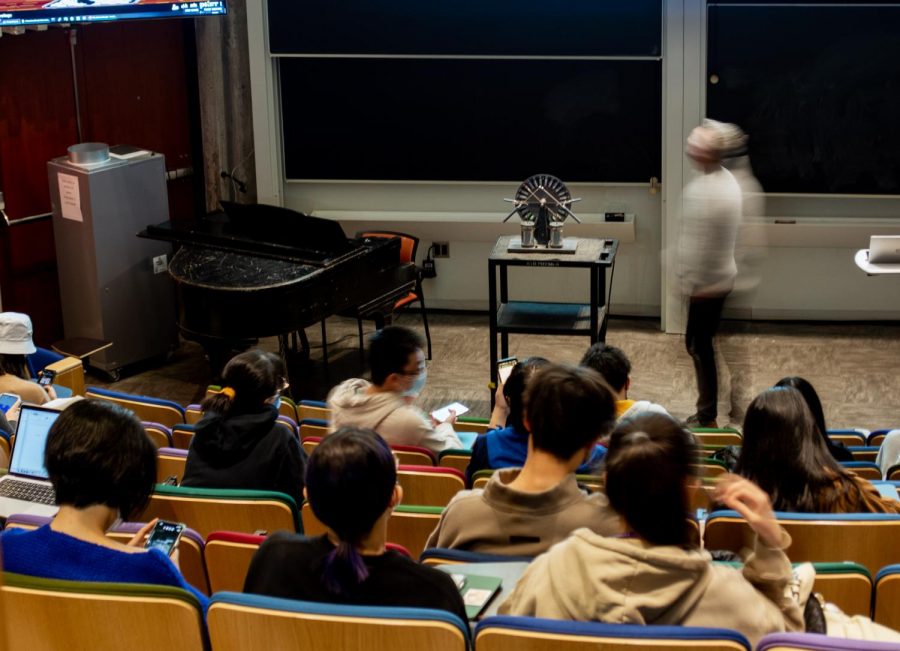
(442, 414)
(505, 367)
(165, 536)
(9, 401)
(47, 377)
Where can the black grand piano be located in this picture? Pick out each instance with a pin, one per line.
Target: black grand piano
(253, 271)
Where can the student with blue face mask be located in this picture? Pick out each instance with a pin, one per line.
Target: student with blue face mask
(397, 364)
(237, 443)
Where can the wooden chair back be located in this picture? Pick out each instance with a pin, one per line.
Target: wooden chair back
(887, 596)
(529, 634)
(458, 459)
(867, 539)
(429, 485)
(49, 615)
(192, 414)
(159, 434)
(206, 510)
(313, 428)
(170, 462)
(228, 556)
(150, 410)
(253, 623)
(182, 436)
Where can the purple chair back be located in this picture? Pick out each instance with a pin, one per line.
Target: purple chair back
(815, 642)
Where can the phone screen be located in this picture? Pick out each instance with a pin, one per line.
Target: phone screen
(7, 401)
(164, 536)
(505, 367)
(46, 378)
(442, 414)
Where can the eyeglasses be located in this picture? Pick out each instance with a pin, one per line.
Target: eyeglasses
(418, 372)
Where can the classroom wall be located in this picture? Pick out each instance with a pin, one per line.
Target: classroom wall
(809, 273)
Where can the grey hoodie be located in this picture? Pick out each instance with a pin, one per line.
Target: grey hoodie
(589, 577)
(388, 414)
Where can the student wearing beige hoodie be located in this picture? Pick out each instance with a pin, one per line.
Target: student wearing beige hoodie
(652, 573)
(397, 365)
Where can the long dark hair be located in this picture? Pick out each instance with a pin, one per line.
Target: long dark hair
(785, 455)
(350, 480)
(839, 452)
(647, 468)
(514, 390)
(253, 377)
(12, 365)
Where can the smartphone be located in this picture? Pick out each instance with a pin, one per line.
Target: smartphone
(8, 401)
(165, 536)
(442, 414)
(505, 367)
(47, 377)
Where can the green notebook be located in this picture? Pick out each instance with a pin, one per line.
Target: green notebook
(476, 591)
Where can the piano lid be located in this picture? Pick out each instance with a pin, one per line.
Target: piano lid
(260, 229)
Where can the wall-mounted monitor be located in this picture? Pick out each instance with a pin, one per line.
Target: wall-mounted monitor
(22, 13)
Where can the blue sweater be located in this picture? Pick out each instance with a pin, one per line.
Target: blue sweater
(507, 448)
(52, 555)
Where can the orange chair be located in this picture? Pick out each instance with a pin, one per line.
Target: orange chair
(409, 244)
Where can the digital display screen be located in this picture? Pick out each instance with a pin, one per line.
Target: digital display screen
(21, 13)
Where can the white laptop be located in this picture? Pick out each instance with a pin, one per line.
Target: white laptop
(26, 488)
(884, 249)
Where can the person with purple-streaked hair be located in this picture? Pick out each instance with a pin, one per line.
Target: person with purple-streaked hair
(351, 485)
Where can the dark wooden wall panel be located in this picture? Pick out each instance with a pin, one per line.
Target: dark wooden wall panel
(134, 88)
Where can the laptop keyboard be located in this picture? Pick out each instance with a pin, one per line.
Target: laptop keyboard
(27, 491)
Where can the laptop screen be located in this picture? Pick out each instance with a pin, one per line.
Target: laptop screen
(31, 439)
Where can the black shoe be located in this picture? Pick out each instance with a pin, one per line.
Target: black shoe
(694, 421)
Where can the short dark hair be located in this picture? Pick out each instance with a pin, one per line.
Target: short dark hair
(350, 479)
(254, 376)
(389, 351)
(98, 453)
(610, 362)
(648, 463)
(514, 389)
(568, 408)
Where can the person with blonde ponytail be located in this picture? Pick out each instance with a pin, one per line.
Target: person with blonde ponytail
(237, 443)
(351, 485)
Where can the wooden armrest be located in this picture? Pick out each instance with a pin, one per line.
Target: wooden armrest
(69, 373)
(65, 364)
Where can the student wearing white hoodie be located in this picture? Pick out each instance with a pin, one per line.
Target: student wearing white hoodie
(397, 365)
(652, 573)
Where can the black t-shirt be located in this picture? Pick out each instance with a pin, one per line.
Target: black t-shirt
(290, 566)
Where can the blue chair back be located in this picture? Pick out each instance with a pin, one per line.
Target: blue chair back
(37, 360)
(245, 622)
(155, 410)
(503, 633)
(444, 556)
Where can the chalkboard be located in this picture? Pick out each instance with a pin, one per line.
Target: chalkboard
(466, 27)
(816, 87)
(471, 120)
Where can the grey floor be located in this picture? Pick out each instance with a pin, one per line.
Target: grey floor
(853, 366)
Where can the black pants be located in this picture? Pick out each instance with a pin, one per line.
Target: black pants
(704, 316)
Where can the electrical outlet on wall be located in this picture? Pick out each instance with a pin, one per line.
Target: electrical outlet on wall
(441, 249)
(160, 264)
